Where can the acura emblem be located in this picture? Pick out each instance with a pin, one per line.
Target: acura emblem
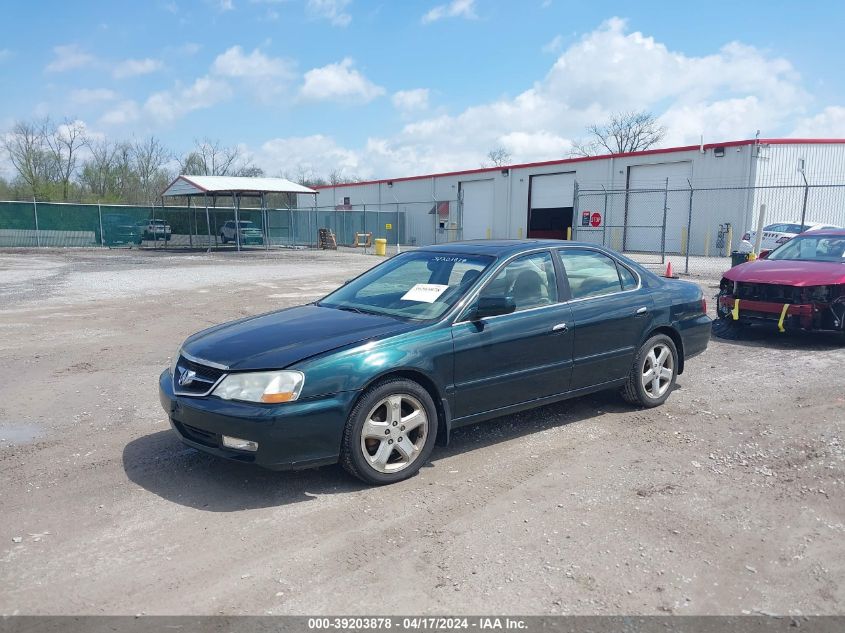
(186, 377)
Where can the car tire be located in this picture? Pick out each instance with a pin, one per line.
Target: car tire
(728, 329)
(372, 448)
(642, 388)
(223, 238)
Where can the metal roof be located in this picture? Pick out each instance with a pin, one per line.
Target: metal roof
(200, 185)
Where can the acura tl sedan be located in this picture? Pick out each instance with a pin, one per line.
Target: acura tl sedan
(389, 364)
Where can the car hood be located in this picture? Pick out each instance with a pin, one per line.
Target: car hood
(280, 339)
(788, 273)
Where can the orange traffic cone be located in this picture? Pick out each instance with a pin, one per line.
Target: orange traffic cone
(669, 273)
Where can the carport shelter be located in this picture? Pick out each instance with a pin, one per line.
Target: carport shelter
(237, 187)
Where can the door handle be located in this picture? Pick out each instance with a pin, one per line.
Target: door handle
(641, 311)
(560, 327)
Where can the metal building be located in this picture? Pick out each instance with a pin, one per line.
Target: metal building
(666, 199)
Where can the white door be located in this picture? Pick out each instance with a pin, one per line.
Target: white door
(478, 198)
(551, 205)
(644, 217)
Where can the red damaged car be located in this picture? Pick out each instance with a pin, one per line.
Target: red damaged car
(799, 285)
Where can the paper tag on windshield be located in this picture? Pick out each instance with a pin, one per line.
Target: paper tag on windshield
(427, 293)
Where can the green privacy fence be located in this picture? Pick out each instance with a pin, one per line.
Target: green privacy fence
(50, 224)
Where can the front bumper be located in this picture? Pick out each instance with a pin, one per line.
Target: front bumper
(293, 435)
(803, 316)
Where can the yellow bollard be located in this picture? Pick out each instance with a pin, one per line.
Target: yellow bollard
(569, 232)
(683, 240)
(519, 232)
(381, 246)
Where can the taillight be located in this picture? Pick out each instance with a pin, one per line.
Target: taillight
(747, 237)
(703, 305)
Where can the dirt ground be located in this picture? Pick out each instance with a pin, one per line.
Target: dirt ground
(728, 499)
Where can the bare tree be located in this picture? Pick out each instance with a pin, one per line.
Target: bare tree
(63, 144)
(624, 132)
(497, 157)
(211, 158)
(337, 177)
(305, 176)
(28, 153)
(98, 174)
(149, 159)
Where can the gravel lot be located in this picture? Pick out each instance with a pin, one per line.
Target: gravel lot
(728, 499)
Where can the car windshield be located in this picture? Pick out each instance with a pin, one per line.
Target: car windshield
(421, 285)
(785, 227)
(811, 248)
(246, 225)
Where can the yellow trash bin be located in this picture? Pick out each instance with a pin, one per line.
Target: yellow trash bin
(381, 246)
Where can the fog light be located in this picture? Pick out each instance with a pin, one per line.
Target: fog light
(239, 444)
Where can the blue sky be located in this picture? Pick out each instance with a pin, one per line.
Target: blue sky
(390, 88)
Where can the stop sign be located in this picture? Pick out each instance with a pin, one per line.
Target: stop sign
(595, 219)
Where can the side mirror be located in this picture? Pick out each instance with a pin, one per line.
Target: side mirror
(764, 254)
(493, 306)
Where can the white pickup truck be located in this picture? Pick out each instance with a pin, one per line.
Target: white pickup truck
(154, 229)
(249, 233)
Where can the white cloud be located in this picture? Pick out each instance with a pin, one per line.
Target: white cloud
(135, 67)
(829, 123)
(125, 112)
(85, 96)
(169, 105)
(331, 10)
(190, 48)
(225, 5)
(553, 46)
(454, 9)
(314, 152)
(264, 76)
(69, 57)
(256, 65)
(411, 100)
(727, 94)
(339, 82)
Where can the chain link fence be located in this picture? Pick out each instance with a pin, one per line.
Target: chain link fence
(52, 224)
(696, 228)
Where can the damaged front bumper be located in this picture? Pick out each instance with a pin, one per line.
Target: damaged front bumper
(816, 316)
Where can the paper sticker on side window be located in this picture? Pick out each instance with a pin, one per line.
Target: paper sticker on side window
(426, 293)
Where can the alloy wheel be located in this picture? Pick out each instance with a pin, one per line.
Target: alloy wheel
(658, 370)
(394, 433)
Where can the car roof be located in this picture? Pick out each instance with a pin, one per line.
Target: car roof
(826, 233)
(499, 248)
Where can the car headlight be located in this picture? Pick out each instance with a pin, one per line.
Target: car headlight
(175, 360)
(267, 386)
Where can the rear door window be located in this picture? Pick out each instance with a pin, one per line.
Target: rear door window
(590, 273)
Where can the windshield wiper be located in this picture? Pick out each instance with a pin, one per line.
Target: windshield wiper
(352, 309)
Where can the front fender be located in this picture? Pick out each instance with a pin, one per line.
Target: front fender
(427, 351)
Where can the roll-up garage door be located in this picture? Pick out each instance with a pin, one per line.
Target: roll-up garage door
(644, 208)
(550, 212)
(478, 199)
